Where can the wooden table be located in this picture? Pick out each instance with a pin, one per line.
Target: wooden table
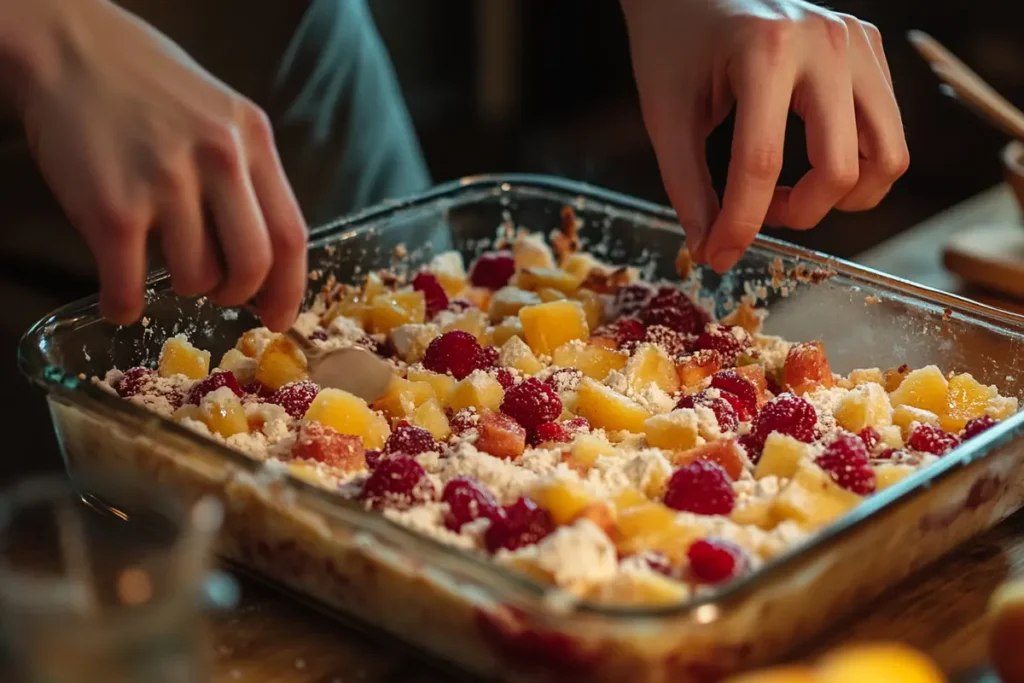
(269, 639)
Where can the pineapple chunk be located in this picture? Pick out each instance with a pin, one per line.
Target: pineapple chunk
(443, 385)
(508, 300)
(373, 287)
(812, 499)
(888, 474)
(628, 498)
(548, 326)
(431, 416)
(694, 370)
(806, 368)
(580, 264)
(220, 410)
(238, 364)
(759, 513)
(641, 589)
(393, 309)
(967, 399)
(607, 409)
(892, 436)
(781, 456)
(925, 388)
(547, 294)
(508, 328)
(593, 361)
(473, 321)
(516, 354)
(479, 297)
(587, 448)
(410, 341)
(179, 357)
(530, 251)
(866, 405)
(724, 452)
(653, 526)
(866, 376)
(402, 397)
(650, 365)
(553, 278)
(593, 306)
(252, 342)
(450, 270)
(675, 431)
(282, 362)
(350, 305)
(563, 499)
(479, 390)
(346, 413)
(904, 417)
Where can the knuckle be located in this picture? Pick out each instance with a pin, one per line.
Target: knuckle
(220, 145)
(775, 36)
(842, 174)
(837, 33)
(761, 163)
(873, 34)
(257, 124)
(116, 219)
(291, 242)
(250, 272)
(894, 163)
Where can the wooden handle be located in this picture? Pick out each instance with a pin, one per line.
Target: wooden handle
(969, 86)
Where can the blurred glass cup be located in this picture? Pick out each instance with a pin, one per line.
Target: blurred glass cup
(87, 598)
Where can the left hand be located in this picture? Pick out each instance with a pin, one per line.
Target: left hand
(695, 59)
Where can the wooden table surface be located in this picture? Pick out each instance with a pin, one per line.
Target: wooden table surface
(269, 639)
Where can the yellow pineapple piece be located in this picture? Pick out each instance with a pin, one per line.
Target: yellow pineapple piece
(781, 456)
(893, 377)
(390, 310)
(593, 306)
(884, 661)
(350, 305)
(179, 357)
(580, 264)
(674, 431)
(812, 499)
(471, 320)
(863, 406)
(593, 361)
(188, 412)
(642, 589)
(346, 413)
(759, 513)
(967, 399)
(505, 330)
(888, 474)
(628, 498)
(650, 365)
(514, 353)
(431, 416)
(548, 326)
(508, 300)
(402, 397)
(441, 384)
(223, 413)
(547, 294)
(373, 287)
(410, 341)
(252, 342)
(479, 390)
(905, 416)
(587, 448)
(563, 499)
(553, 278)
(450, 271)
(282, 362)
(867, 376)
(653, 526)
(607, 409)
(530, 251)
(238, 364)
(479, 297)
(892, 436)
(925, 388)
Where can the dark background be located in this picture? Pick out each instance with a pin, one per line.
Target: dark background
(542, 86)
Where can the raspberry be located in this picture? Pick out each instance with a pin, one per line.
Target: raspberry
(897, 454)
(977, 426)
(846, 461)
(702, 487)
(372, 458)
(456, 352)
(870, 437)
(741, 388)
(132, 380)
(463, 421)
(751, 445)
(468, 499)
(559, 432)
(564, 379)
(212, 383)
(713, 560)
(724, 339)
(323, 444)
(488, 357)
(397, 482)
(531, 402)
(258, 390)
(409, 440)
(493, 270)
(671, 308)
(723, 410)
(931, 439)
(295, 398)
(631, 299)
(523, 524)
(505, 377)
(319, 334)
(671, 342)
(434, 294)
(629, 330)
(788, 414)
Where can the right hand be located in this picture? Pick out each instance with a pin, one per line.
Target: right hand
(132, 136)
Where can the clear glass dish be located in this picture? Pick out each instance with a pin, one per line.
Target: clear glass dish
(491, 621)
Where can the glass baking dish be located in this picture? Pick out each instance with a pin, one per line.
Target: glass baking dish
(493, 622)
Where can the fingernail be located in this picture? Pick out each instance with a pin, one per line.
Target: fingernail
(725, 259)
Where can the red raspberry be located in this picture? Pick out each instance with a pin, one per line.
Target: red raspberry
(671, 342)
(295, 398)
(212, 383)
(631, 299)
(531, 402)
(713, 560)
(931, 439)
(505, 378)
(488, 357)
(397, 482)
(977, 426)
(681, 320)
(469, 499)
(456, 352)
(722, 338)
(564, 379)
(752, 446)
(629, 330)
(258, 390)
(372, 458)
(493, 270)
(132, 380)
(463, 421)
(523, 524)
(434, 294)
(846, 461)
(723, 410)
(323, 444)
(897, 454)
(870, 437)
(559, 432)
(702, 487)
(409, 440)
(788, 414)
(739, 387)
